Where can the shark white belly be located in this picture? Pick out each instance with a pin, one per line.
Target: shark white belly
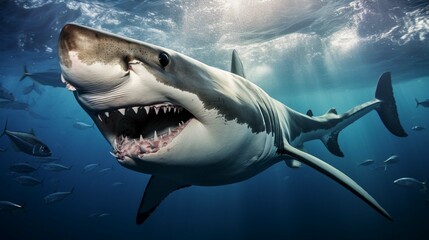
(186, 123)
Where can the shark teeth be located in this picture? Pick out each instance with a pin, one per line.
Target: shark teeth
(141, 130)
(166, 108)
(135, 109)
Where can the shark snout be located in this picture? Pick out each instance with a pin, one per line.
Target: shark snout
(92, 46)
(93, 60)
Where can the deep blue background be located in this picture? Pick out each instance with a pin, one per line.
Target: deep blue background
(307, 54)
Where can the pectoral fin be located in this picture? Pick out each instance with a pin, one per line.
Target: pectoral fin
(336, 175)
(156, 190)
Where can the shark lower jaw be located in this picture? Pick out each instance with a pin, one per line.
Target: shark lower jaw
(139, 131)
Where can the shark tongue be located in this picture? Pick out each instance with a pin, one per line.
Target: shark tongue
(138, 147)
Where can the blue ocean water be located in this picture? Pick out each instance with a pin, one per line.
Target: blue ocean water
(307, 54)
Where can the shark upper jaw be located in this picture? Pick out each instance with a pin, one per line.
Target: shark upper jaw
(136, 131)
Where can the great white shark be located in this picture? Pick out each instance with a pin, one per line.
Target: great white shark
(186, 123)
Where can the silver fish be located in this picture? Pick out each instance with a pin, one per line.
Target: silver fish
(49, 78)
(9, 206)
(411, 182)
(418, 128)
(27, 143)
(14, 105)
(117, 184)
(366, 162)
(57, 196)
(6, 94)
(99, 215)
(424, 103)
(391, 160)
(47, 159)
(37, 115)
(28, 181)
(22, 168)
(82, 125)
(104, 170)
(33, 87)
(55, 167)
(90, 167)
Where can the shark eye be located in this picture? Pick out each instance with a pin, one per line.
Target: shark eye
(164, 59)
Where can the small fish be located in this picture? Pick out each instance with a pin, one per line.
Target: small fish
(412, 183)
(9, 206)
(366, 162)
(49, 78)
(82, 125)
(27, 89)
(27, 143)
(57, 196)
(6, 94)
(117, 184)
(99, 215)
(14, 105)
(424, 103)
(28, 181)
(418, 128)
(33, 87)
(22, 168)
(55, 167)
(37, 115)
(90, 167)
(391, 160)
(379, 167)
(48, 159)
(104, 170)
(3, 149)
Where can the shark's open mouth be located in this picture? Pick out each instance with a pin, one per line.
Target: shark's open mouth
(142, 130)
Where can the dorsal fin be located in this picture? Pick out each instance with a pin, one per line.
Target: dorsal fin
(310, 113)
(32, 132)
(237, 65)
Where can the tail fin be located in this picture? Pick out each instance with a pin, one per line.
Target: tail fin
(417, 103)
(25, 73)
(387, 110)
